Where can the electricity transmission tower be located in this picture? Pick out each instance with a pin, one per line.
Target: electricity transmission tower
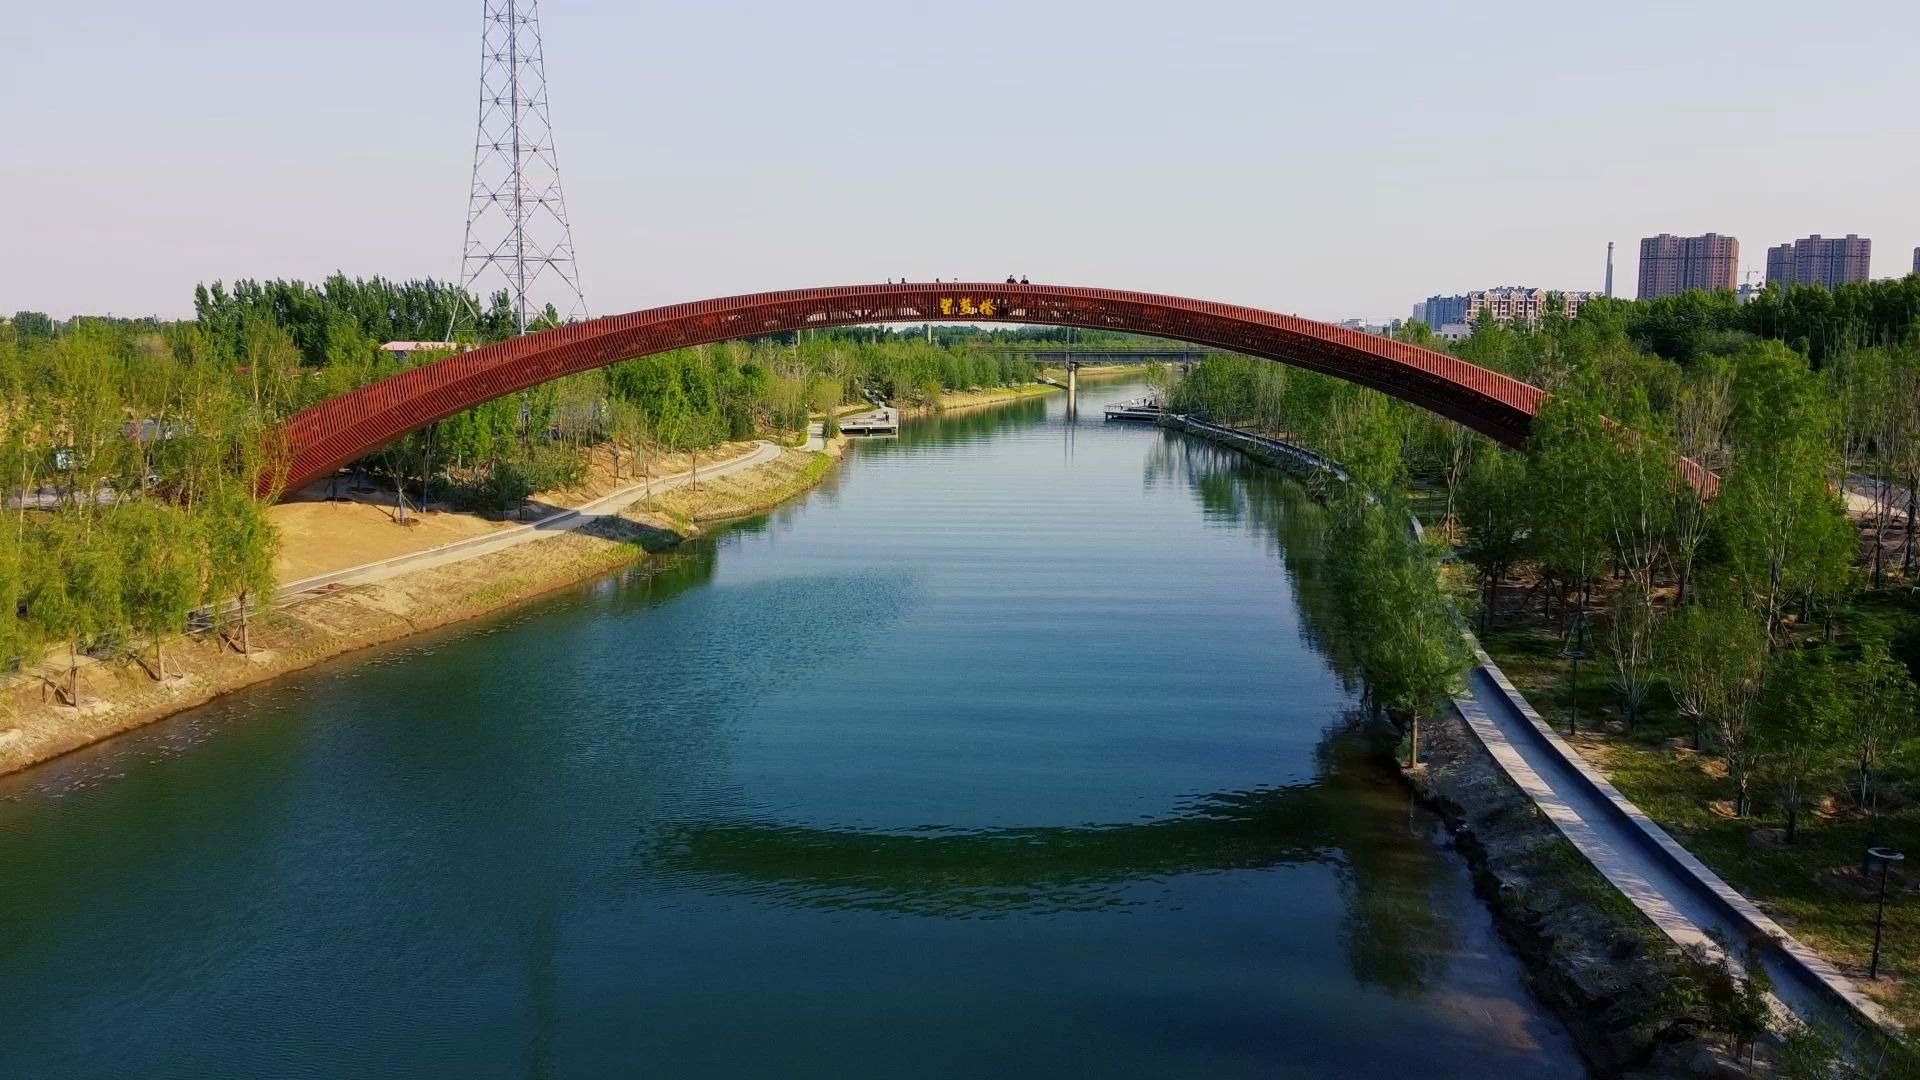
(517, 231)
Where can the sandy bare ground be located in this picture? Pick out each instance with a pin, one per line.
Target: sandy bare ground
(321, 537)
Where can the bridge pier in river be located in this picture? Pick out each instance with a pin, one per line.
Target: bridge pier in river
(1073, 387)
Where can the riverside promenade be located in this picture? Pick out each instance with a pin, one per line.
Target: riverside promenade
(1685, 899)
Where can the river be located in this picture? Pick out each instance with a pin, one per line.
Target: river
(1018, 748)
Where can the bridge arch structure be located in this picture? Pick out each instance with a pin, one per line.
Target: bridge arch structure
(333, 433)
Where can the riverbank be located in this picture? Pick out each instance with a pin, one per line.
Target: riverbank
(1593, 955)
(1813, 885)
(119, 695)
(1093, 371)
(323, 531)
(992, 395)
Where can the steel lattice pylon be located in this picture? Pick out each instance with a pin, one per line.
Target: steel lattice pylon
(516, 216)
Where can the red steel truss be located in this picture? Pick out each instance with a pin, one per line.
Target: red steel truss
(325, 437)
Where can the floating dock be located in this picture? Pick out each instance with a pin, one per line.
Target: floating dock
(884, 421)
(1137, 410)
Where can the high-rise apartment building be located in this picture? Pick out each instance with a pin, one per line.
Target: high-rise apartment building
(1671, 264)
(1815, 260)
(1445, 310)
(1521, 305)
(1916, 260)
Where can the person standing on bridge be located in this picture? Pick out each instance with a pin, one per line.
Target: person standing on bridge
(1023, 280)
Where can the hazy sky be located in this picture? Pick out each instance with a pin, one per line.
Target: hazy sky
(1330, 159)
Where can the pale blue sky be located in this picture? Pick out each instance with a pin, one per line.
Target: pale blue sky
(1330, 159)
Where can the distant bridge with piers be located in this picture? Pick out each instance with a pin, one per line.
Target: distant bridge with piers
(1051, 355)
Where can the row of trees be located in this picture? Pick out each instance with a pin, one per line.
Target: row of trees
(130, 454)
(135, 450)
(1813, 320)
(343, 320)
(134, 569)
(686, 400)
(1389, 597)
(1734, 605)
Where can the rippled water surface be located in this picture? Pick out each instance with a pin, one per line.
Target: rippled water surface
(1014, 750)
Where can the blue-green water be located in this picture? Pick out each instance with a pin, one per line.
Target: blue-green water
(1014, 750)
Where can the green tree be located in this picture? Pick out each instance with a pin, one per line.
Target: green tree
(241, 545)
(1630, 638)
(1358, 428)
(1802, 724)
(1699, 430)
(1493, 506)
(1568, 456)
(1882, 716)
(14, 639)
(162, 567)
(1686, 648)
(1715, 658)
(1776, 515)
(1394, 605)
(626, 427)
(73, 593)
(703, 430)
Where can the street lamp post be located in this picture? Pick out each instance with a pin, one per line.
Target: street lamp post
(1573, 721)
(1886, 857)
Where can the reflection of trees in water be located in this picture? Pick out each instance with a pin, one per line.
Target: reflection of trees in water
(659, 578)
(1232, 487)
(960, 425)
(1353, 820)
(1395, 937)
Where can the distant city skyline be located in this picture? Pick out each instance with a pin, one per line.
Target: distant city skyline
(1453, 315)
(1821, 260)
(1250, 153)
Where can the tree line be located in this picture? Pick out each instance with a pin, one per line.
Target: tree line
(129, 453)
(1737, 608)
(134, 450)
(1818, 322)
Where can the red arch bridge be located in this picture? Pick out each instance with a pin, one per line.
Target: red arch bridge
(323, 438)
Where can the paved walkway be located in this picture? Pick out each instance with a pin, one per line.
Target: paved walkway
(565, 521)
(1685, 899)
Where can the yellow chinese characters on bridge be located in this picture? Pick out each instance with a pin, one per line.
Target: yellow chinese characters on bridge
(966, 306)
